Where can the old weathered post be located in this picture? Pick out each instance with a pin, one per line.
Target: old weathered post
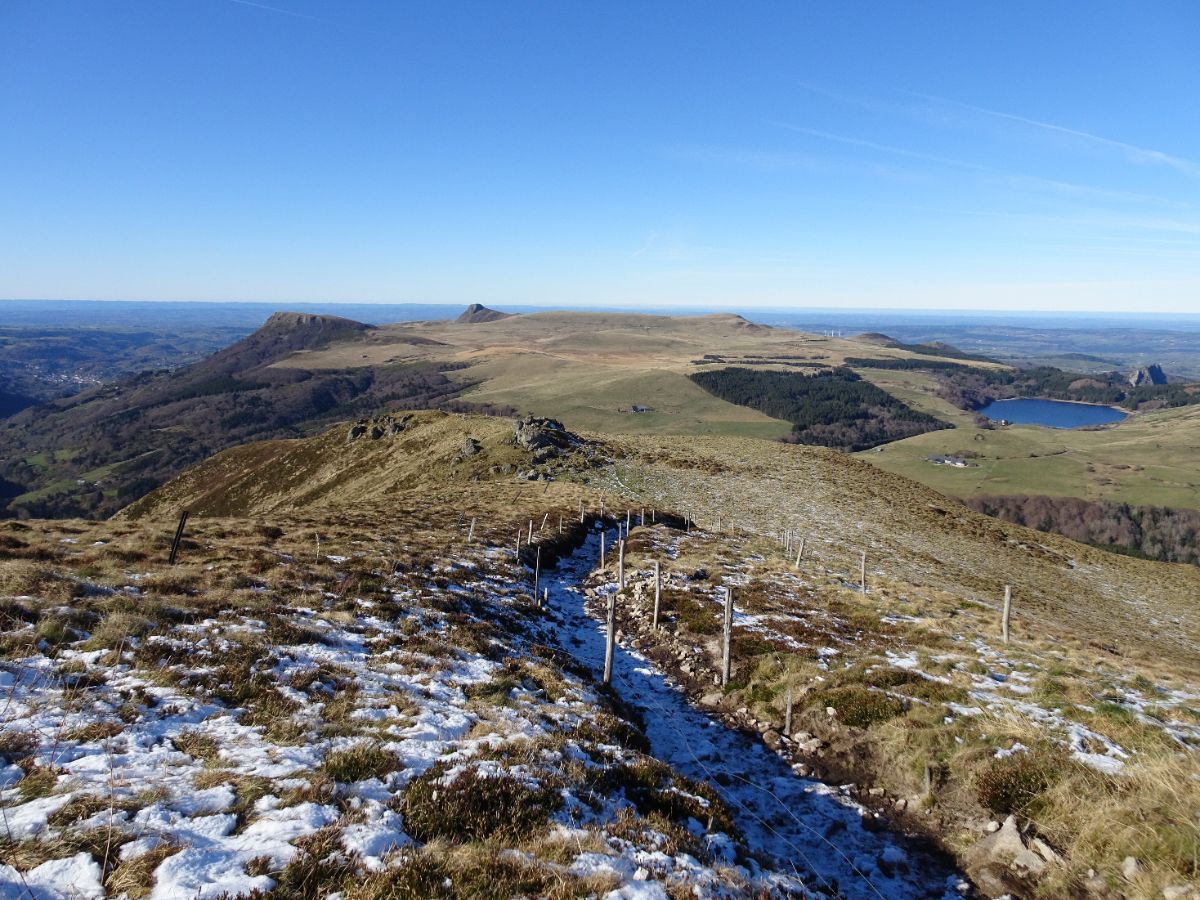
(642, 517)
(530, 538)
(653, 516)
(726, 653)
(628, 519)
(657, 594)
(545, 519)
(537, 570)
(610, 639)
(621, 565)
(787, 713)
(601, 509)
(601, 550)
(545, 597)
(862, 571)
(183, 516)
(518, 543)
(560, 524)
(471, 531)
(1007, 612)
(800, 552)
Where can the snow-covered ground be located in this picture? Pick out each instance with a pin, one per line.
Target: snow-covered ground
(807, 827)
(145, 758)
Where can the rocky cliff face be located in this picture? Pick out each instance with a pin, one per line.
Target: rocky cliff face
(1148, 375)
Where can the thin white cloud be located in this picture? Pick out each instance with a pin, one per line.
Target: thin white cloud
(1062, 187)
(1132, 152)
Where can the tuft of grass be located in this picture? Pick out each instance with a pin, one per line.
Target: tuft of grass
(319, 869)
(196, 745)
(475, 806)
(658, 790)
(134, 878)
(1015, 783)
(16, 745)
(859, 707)
(360, 762)
(456, 874)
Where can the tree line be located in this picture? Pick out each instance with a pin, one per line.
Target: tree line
(1150, 532)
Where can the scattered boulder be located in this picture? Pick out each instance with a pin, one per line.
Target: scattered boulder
(379, 426)
(469, 448)
(1131, 868)
(1001, 862)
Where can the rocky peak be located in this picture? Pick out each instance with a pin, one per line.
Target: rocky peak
(477, 313)
(1152, 374)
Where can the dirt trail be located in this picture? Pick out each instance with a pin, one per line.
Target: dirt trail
(806, 827)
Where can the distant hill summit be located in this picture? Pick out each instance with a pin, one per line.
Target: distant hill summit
(739, 322)
(932, 348)
(97, 450)
(1148, 375)
(282, 334)
(477, 313)
(876, 337)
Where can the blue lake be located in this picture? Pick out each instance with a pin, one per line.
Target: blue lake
(1052, 413)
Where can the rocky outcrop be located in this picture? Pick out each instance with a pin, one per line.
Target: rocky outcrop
(534, 434)
(1148, 375)
(379, 427)
(477, 313)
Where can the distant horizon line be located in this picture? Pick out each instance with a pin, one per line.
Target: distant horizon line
(584, 307)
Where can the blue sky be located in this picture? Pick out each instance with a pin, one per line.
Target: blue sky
(970, 155)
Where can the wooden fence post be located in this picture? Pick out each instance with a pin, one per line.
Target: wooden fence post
(560, 524)
(1007, 612)
(726, 654)
(471, 531)
(862, 571)
(800, 552)
(628, 519)
(602, 550)
(545, 597)
(642, 517)
(537, 570)
(621, 565)
(183, 517)
(545, 518)
(610, 638)
(657, 593)
(787, 713)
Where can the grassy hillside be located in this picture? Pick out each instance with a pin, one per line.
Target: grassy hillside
(1093, 700)
(1148, 459)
